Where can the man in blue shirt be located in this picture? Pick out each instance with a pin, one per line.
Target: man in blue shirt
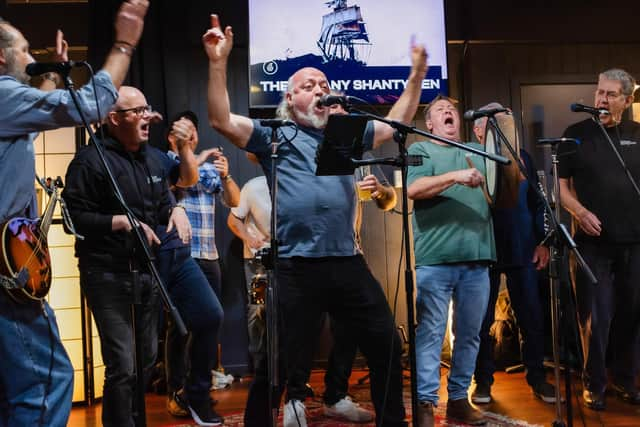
(37, 390)
(320, 267)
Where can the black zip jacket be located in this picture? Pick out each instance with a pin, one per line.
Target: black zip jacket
(92, 204)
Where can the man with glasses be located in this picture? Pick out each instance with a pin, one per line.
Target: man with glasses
(36, 376)
(110, 259)
(596, 190)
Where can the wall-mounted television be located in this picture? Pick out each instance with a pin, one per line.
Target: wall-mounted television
(363, 46)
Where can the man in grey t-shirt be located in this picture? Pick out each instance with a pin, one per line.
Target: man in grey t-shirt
(319, 267)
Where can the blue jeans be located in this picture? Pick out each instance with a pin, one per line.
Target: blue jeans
(27, 338)
(110, 299)
(468, 286)
(202, 315)
(211, 270)
(524, 293)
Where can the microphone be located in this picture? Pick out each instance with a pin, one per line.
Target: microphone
(276, 123)
(329, 100)
(62, 68)
(579, 108)
(476, 114)
(554, 141)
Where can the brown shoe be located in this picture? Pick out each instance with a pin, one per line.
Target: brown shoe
(424, 414)
(462, 411)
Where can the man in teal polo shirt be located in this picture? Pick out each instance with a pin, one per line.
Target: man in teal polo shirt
(453, 243)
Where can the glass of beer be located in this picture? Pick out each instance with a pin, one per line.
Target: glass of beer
(361, 172)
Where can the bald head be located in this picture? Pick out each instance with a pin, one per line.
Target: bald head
(129, 97)
(299, 103)
(129, 119)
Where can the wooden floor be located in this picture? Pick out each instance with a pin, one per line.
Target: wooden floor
(512, 397)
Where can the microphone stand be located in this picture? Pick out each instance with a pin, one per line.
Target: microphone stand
(560, 240)
(403, 160)
(617, 153)
(139, 405)
(270, 261)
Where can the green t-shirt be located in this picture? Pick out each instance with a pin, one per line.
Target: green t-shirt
(455, 226)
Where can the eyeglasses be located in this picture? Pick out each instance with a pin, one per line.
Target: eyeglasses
(609, 95)
(138, 111)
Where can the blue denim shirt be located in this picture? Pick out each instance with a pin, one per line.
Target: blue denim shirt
(25, 111)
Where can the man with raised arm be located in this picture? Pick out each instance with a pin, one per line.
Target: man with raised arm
(320, 267)
(37, 390)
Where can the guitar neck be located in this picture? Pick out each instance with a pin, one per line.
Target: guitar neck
(47, 216)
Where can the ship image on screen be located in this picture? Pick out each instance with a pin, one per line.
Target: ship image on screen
(364, 50)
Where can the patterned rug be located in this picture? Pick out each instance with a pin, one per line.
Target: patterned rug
(316, 417)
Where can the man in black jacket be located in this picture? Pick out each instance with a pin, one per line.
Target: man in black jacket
(110, 260)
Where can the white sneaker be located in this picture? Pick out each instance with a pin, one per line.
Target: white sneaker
(294, 414)
(220, 380)
(348, 410)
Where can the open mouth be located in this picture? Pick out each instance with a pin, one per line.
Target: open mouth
(448, 121)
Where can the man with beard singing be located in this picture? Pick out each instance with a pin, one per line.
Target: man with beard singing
(320, 267)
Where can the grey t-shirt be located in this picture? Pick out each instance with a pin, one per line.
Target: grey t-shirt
(316, 214)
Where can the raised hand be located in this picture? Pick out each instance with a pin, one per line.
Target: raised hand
(130, 21)
(62, 48)
(419, 59)
(183, 131)
(217, 44)
(221, 164)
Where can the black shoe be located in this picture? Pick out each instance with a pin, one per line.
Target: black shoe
(626, 394)
(593, 400)
(203, 413)
(481, 393)
(545, 392)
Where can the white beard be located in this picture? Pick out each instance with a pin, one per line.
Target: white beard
(316, 121)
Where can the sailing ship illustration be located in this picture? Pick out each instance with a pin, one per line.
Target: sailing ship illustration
(343, 36)
(342, 52)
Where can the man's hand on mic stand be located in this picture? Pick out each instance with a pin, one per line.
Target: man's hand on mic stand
(51, 81)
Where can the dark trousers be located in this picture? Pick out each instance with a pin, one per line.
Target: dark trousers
(345, 288)
(340, 364)
(617, 294)
(202, 314)
(211, 270)
(110, 299)
(524, 293)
